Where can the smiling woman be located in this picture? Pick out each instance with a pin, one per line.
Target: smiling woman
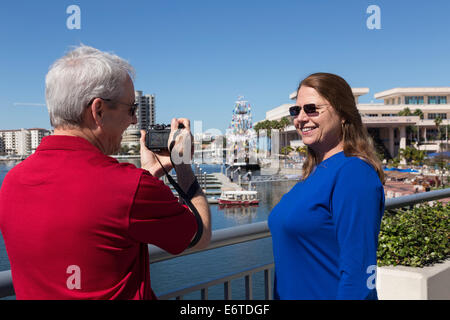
(338, 122)
(325, 230)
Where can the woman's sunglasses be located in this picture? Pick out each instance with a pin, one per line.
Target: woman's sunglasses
(310, 109)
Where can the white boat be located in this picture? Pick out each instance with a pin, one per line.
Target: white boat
(239, 197)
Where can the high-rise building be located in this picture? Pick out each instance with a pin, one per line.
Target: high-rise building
(145, 114)
(36, 135)
(21, 141)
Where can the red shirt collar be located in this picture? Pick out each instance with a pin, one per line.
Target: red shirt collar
(66, 143)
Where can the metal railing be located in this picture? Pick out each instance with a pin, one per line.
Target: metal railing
(236, 235)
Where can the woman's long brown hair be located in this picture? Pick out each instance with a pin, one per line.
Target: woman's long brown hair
(357, 142)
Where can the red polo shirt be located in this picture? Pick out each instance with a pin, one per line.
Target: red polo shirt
(76, 223)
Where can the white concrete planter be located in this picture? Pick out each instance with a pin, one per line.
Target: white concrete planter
(408, 283)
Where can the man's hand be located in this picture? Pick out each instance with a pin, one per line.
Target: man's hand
(183, 141)
(149, 161)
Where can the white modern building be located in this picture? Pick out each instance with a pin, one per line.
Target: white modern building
(21, 141)
(145, 117)
(390, 130)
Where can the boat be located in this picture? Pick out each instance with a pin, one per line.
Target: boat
(243, 165)
(239, 197)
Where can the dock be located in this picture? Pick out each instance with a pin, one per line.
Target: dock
(212, 185)
(227, 185)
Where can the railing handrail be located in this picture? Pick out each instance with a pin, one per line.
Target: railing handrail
(248, 232)
(220, 238)
(260, 230)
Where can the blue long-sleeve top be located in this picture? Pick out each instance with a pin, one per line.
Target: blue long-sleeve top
(325, 232)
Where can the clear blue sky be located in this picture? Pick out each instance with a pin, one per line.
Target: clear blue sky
(197, 56)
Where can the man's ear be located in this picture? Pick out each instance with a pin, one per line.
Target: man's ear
(97, 111)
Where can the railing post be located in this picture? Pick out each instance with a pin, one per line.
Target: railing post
(204, 294)
(248, 287)
(6, 284)
(267, 284)
(227, 290)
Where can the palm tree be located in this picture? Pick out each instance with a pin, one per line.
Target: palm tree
(438, 122)
(135, 149)
(405, 112)
(419, 157)
(286, 150)
(282, 124)
(124, 149)
(267, 125)
(412, 155)
(264, 125)
(257, 127)
(301, 150)
(407, 154)
(418, 113)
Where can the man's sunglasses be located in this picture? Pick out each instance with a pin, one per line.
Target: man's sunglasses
(310, 109)
(133, 106)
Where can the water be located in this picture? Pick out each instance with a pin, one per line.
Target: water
(180, 272)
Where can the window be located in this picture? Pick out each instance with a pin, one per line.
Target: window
(437, 100)
(414, 100)
(432, 116)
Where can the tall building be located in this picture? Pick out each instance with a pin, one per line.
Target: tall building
(36, 135)
(145, 117)
(386, 122)
(8, 141)
(21, 141)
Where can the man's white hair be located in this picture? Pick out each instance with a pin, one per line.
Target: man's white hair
(78, 77)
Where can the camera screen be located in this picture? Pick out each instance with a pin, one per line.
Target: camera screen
(158, 139)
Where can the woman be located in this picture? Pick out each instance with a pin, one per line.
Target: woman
(325, 230)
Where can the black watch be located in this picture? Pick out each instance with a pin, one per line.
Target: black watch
(193, 189)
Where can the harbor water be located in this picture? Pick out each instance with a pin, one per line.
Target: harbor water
(167, 276)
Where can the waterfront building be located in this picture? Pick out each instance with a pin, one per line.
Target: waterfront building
(21, 141)
(388, 123)
(145, 114)
(36, 135)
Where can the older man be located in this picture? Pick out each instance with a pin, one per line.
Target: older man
(76, 222)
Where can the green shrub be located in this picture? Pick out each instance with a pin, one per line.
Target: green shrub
(416, 237)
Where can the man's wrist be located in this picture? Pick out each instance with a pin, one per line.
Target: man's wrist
(185, 176)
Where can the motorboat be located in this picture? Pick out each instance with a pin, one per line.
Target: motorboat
(239, 197)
